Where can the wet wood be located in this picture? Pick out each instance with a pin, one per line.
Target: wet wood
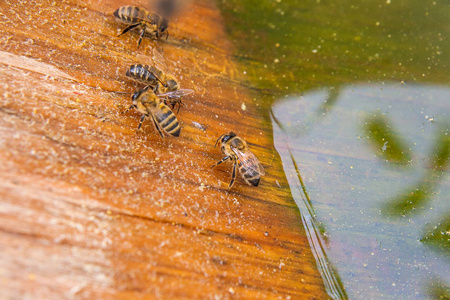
(91, 209)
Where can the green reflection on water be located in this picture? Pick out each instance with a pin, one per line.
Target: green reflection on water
(290, 46)
(387, 143)
(415, 197)
(437, 236)
(436, 289)
(321, 49)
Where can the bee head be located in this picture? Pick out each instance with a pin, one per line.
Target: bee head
(162, 29)
(172, 85)
(136, 95)
(164, 25)
(225, 137)
(228, 136)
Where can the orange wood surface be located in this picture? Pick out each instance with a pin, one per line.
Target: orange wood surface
(90, 208)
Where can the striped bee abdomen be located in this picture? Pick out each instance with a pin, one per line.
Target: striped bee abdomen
(251, 176)
(130, 14)
(141, 73)
(167, 120)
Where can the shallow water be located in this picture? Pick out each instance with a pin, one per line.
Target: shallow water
(359, 99)
(374, 202)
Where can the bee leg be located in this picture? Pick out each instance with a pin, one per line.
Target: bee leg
(179, 106)
(129, 28)
(142, 35)
(156, 88)
(157, 126)
(220, 161)
(141, 121)
(233, 176)
(167, 102)
(129, 108)
(167, 36)
(173, 104)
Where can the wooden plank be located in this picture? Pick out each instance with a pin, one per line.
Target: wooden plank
(92, 209)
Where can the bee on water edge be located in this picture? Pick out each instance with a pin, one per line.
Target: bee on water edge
(236, 149)
(156, 75)
(147, 102)
(150, 24)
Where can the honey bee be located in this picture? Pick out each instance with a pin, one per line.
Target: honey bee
(147, 102)
(150, 24)
(158, 77)
(236, 149)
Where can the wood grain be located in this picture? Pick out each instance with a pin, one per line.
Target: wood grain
(91, 209)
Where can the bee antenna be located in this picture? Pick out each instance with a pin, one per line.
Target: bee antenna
(122, 92)
(218, 140)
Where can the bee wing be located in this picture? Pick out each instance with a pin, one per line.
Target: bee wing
(152, 19)
(159, 61)
(249, 160)
(157, 73)
(178, 93)
(144, 59)
(147, 20)
(151, 66)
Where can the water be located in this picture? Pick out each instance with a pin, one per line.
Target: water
(358, 95)
(373, 205)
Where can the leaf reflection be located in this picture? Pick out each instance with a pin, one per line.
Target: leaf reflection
(436, 289)
(438, 237)
(415, 197)
(385, 141)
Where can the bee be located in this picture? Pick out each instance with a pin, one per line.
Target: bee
(147, 102)
(158, 77)
(150, 24)
(236, 149)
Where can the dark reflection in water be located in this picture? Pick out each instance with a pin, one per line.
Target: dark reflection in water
(436, 289)
(385, 141)
(437, 236)
(329, 102)
(415, 197)
(374, 160)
